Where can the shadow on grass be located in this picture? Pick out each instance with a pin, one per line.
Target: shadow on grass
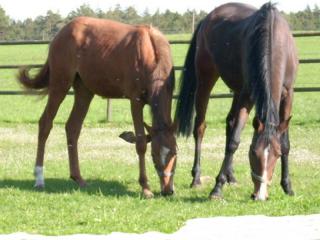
(57, 186)
(307, 122)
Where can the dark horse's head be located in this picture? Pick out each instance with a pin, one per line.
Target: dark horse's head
(264, 151)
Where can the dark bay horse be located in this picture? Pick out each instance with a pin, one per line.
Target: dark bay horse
(253, 51)
(112, 60)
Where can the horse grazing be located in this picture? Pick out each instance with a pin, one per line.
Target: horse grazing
(112, 60)
(254, 53)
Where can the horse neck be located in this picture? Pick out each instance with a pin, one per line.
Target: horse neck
(161, 108)
(261, 71)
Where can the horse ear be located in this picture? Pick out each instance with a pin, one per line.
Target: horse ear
(131, 138)
(283, 126)
(257, 124)
(128, 137)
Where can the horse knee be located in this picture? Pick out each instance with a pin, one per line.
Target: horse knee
(141, 145)
(232, 146)
(199, 130)
(285, 148)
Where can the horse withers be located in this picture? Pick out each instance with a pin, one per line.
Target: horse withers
(112, 60)
(253, 51)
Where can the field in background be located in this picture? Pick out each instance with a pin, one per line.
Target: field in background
(112, 200)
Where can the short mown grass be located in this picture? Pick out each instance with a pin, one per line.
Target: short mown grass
(112, 200)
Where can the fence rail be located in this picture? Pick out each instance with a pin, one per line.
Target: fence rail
(177, 68)
(35, 42)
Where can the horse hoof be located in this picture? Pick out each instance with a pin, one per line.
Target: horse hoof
(38, 186)
(233, 183)
(195, 184)
(215, 196)
(147, 194)
(81, 183)
(231, 180)
(289, 192)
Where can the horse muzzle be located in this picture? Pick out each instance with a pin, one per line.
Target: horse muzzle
(166, 182)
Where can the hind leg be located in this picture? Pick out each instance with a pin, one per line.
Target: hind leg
(55, 98)
(207, 77)
(82, 100)
(236, 121)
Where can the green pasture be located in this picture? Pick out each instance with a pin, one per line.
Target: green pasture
(112, 201)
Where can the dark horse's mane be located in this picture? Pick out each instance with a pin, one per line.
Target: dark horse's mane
(259, 67)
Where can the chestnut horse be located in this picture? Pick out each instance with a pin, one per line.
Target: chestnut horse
(112, 60)
(253, 51)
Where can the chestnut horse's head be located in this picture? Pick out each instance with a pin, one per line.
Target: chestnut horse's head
(264, 151)
(164, 154)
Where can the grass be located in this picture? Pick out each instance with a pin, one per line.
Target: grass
(112, 201)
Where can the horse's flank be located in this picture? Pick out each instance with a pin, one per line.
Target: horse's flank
(112, 59)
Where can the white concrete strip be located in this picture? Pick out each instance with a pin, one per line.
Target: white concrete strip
(222, 228)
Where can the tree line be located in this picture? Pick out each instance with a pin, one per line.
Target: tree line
(45, 27)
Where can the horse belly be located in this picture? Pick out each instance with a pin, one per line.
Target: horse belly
(107, 88)
(104, 85)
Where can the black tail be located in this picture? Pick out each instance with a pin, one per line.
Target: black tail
(188, 83)
(259, 65)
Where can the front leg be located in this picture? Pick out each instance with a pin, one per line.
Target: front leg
(285, 178)
(285, 112)
(236, 121)
(141, 145)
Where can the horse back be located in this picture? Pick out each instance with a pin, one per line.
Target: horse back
(221, 36)
(113, 59)
(224, 37)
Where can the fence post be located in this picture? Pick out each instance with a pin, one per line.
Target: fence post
(193, 20)
(109, 110)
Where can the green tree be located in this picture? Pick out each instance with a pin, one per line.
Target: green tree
(131, 16)
(53, 22)
(83, 10)
(316, 16)
(4, 23)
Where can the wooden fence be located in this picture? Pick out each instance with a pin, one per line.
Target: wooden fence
(177, 68)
